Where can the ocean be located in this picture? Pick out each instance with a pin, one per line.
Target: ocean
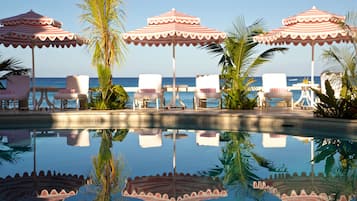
(187, 97)
(133, 81)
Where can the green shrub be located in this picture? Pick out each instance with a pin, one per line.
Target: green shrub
(115, 98)
(329, 106)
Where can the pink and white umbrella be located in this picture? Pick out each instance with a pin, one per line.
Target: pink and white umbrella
(310, 27)
(174, 28)
(34, 30)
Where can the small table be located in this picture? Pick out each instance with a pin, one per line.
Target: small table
(44, 96)
(179, 88)
(305, 94)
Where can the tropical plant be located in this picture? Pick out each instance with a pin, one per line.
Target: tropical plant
(239, 61)
(346, 150)
(105, 19)
(108, 170)
(237, 161)
(108, 96)
(346, 58)
(11, 66)
(340, 157)
(330, 106)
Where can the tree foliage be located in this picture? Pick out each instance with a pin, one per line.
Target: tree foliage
(239, 60)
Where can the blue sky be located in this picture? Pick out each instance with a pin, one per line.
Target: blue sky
(59, 62)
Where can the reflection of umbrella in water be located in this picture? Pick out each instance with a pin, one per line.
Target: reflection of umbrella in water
(303, 187)
(174, 186)
(42, 186)
(174, 28)
(34, 30)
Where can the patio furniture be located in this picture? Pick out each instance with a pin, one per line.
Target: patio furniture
(17, 91)
(207, 138)
(275, 87)
(207, 89)
(149, 137)
(149, 89)
(77, 87)
(271, 140)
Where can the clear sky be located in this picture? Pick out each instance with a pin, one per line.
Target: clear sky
(59, 62)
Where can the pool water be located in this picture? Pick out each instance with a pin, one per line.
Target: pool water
(229, 161)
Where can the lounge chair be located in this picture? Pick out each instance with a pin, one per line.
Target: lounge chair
(207, 89)
(16, 138)
(273, 140)
(275, 87)
(149, 137)
(149, 89)
(17, 90)
(78, 138)
(207, 138)
(77, 87)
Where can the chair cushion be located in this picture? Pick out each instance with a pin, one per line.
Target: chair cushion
(278, 92)
(208, 90)
(6, 92)
(67, 91)
(147, 90)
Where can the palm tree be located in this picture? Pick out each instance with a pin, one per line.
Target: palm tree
(105, 19)
(239, 61)
(11, 66)
(108, 170)
(237, 164)
(346, 58)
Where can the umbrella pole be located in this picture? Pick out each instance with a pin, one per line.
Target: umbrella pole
(33, 79)
(174, 153)
(312, 72)
(173, 102)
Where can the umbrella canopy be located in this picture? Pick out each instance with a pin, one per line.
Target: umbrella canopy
(173, 28)
(310, 27)
(44, 186)
(174, 187)
(305, 187)
(34, 30)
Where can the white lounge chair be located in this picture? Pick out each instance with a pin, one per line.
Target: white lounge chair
(273, 140)
(17, 89)
(77, 87)
(207, 138)
(78, 138)
(149, 89)
(275, 86)
(207, 88)
(149, 137)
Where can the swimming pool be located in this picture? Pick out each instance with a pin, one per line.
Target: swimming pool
(147, 159)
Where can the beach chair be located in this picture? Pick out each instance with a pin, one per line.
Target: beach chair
(77, 87)
(149, 89)
(149, 137)
(275, 87)
(17, 90)
(207, 89)
(207, 138)
(273, 140)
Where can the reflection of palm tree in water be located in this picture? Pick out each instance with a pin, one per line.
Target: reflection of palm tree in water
(237, 160)
(108, 170)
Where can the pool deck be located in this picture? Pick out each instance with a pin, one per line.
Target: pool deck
(277, 120)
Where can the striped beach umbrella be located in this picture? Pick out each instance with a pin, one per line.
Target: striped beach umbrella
(173, 28)
(32, 30)
(311, 27)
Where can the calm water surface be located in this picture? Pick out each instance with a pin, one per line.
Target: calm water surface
(228, 163)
